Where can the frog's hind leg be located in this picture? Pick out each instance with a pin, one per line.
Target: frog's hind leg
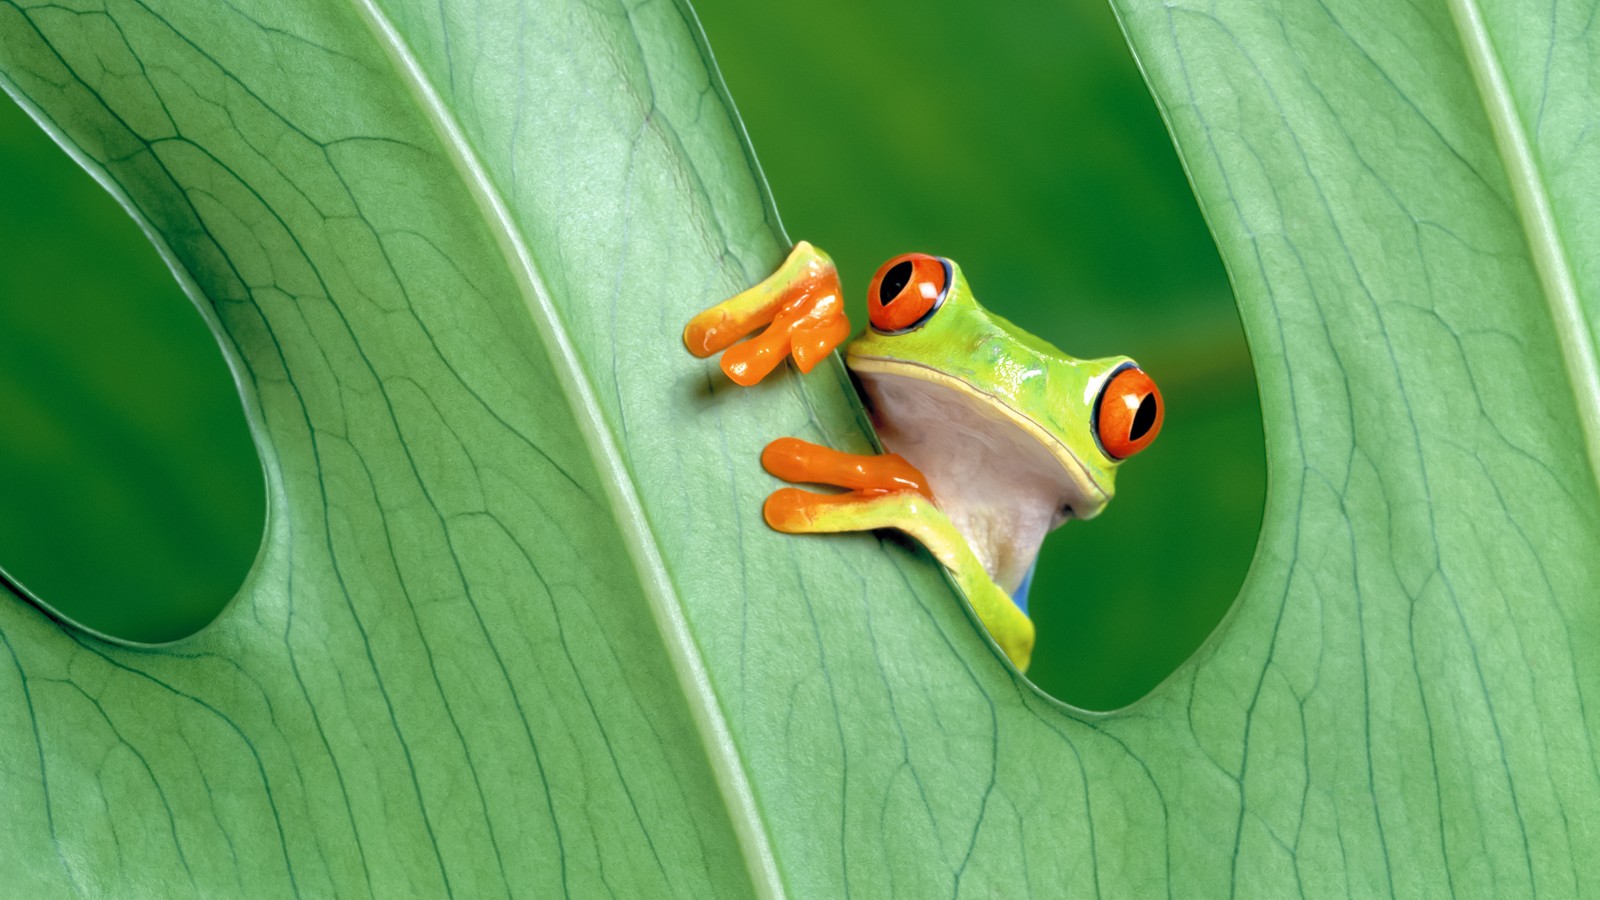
(801, 304)
(885, 491)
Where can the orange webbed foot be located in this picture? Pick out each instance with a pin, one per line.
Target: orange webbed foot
(801, 306)
(886, 491)
(882, 477)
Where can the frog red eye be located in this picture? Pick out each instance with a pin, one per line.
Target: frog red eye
(1128, 415)
(906, 291)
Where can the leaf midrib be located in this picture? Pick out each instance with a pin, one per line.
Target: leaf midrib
(1549, 253)
(665, 605)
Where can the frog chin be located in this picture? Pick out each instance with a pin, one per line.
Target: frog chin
(1001, 485)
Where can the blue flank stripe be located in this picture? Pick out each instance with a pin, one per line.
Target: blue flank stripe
(1020, 597)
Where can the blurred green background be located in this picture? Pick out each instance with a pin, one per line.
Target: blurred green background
(1016, 139)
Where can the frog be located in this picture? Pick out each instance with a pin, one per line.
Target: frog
(992, 437)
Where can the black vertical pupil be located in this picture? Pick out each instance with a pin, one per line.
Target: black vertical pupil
(894, 281)
(1144, 418)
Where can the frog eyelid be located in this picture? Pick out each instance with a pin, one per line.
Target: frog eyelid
(1094, 412)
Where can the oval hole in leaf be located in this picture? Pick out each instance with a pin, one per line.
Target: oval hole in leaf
(132, 500)
(1036, 158)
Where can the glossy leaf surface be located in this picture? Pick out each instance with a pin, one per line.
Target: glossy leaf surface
(517, 621)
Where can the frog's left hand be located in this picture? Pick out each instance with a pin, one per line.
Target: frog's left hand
(885, 491)
(801, 305)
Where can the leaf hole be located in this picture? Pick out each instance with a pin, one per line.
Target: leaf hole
(132, 501)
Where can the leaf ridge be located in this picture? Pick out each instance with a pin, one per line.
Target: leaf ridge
(638, 537)
(1532, 195)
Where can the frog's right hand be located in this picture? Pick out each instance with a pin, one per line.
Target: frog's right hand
(801, 305)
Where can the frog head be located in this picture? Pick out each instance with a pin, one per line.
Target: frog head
(1015, 436)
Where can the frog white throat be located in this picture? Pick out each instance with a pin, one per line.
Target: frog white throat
(999, 483)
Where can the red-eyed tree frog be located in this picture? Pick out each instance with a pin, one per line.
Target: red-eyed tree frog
(995, 437)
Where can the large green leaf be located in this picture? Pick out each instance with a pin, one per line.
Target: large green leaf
(518, 626)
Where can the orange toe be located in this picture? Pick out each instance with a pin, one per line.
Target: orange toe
(802, 461)
(747, 363)
(811, 343)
